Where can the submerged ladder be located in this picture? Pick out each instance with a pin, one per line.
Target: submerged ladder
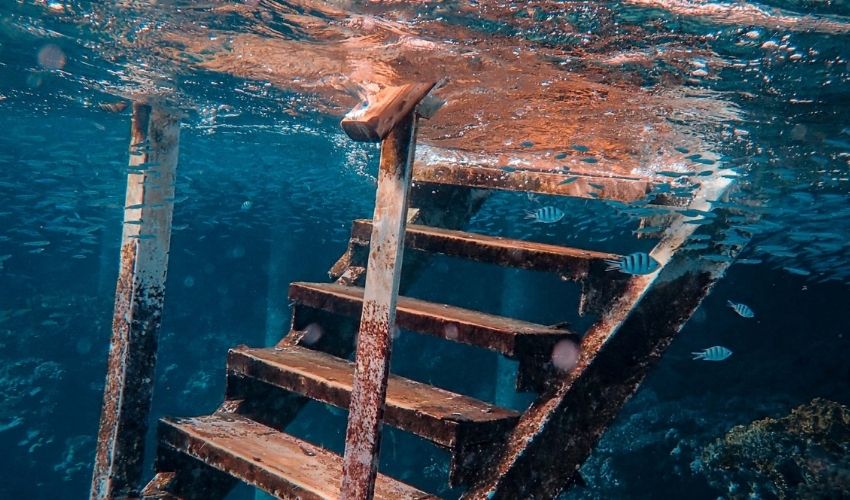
(495, 452)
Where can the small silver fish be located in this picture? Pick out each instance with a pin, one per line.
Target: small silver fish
(546, 215)
(716, 353)
(636, 263)
(743, 310)
(748, 261)
(797, 271)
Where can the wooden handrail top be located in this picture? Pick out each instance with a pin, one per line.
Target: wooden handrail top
(372, 120)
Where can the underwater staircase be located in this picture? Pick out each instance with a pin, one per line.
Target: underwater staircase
(495, 452)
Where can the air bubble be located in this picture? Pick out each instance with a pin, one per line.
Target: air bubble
(565, 355)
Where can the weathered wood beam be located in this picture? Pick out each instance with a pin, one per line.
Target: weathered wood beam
(139, 299)
(373, 119)
(275, 462)
(626, 189)
(374, 342)
(569, 263)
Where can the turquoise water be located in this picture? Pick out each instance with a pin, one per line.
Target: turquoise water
(268, 185)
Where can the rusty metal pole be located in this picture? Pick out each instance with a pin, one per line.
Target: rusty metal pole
(383, 273)
(391, 118)
(139, 295)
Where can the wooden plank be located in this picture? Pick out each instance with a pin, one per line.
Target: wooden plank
(139, 297)
(277, 463)
(497, 333)
(438, 415)
(373, 119)
(620, 188)
(570, 263)
(374, 340)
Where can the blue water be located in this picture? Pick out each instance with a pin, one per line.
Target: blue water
(266, 197)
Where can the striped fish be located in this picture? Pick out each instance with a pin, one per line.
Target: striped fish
(743, 310)
(716, 353)
(546, 215)
(636, 263)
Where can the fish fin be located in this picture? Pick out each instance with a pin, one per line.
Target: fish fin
(698, 355)
(730, 303)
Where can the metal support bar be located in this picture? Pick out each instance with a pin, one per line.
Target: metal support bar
(139, 296)
(362, 440)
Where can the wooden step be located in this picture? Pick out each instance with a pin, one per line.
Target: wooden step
(529, 343)
(579, 184)
(505, 335)
(571, 263)
(277, 463)
(463, 425)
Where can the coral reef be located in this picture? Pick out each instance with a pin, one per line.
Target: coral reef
(658, 437)
(803, 455)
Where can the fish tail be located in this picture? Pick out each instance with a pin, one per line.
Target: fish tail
(730, 303)
(613, 265)
(698, 355)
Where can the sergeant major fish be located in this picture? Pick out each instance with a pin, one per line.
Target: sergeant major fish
(636, 263)
(716, 353)
(546, 215)
(743, 310)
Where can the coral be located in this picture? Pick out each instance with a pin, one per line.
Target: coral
(803, 455)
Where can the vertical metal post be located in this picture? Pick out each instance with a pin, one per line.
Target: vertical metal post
(139, 299)
(383, 273)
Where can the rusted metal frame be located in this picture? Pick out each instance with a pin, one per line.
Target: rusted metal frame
(625, 189)
(362, 441)
(557, 433)
(274, 408)
(139, 300)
